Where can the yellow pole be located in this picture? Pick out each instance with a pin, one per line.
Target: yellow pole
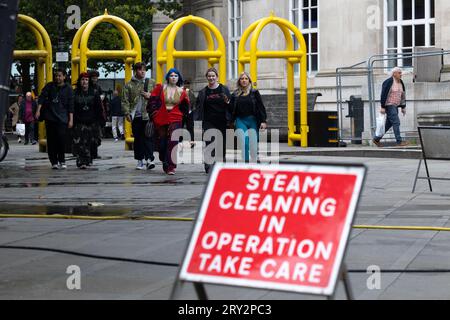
(76, 52)
(44, 63)
(304, 102)
(291, 103)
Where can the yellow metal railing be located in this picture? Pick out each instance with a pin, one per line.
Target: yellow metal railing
(44, 63)
(292, 56)
(166, 55)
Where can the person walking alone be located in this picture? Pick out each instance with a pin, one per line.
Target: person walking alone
(135, 95)
(393, 96)
(27, 110)
(116, 116)
(250, 116)
(213, 109)
(56, 105)
(87, 117)
(168, 105)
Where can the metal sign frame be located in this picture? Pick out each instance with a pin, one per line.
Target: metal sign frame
(425, 159)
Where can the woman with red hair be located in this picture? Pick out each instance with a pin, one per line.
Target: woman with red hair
(168, 104)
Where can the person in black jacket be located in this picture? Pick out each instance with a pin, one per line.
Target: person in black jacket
(212, 108)
(88, 116)
(55, 106)
(250, 116)
(393, 96)
(27, 110)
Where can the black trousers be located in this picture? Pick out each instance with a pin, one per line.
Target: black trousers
(29, 132)
(222, 127)
(143, 146)
(56, 141)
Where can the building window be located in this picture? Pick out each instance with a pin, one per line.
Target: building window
(305, 15)
(408, 24)
(234, 32)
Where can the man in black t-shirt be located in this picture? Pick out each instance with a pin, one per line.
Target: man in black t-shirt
(56, 108)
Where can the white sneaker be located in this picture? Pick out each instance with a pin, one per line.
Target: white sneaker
(150, 165)
(140, 165)
(55, 167)
(62, 166)
(115, 140)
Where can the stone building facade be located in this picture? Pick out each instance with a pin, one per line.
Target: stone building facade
(339, 33)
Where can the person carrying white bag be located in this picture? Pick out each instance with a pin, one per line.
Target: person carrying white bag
(393, 96)
(381, 123)
(20, 131)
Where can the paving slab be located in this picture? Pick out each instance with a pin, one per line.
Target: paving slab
(29, 186)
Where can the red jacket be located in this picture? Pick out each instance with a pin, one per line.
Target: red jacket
(160, 115)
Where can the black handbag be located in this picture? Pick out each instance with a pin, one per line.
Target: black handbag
(149, 129)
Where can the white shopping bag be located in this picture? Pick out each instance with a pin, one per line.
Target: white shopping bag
(20, 129)
(381, 123)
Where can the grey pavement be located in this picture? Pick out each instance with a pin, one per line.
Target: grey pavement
(29, 186)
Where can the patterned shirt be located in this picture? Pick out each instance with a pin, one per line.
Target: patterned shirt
(395, 95)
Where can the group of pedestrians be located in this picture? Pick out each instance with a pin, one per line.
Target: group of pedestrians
(81, 110)
(155, 110)
(164, 106)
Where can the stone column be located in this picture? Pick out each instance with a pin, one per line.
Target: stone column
(160, 22)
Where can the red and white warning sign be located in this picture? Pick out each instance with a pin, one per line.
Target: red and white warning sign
(282, 227)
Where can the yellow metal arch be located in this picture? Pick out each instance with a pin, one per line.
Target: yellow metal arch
(292, 57)
(131, 54)
(170, 54)
(44, 62)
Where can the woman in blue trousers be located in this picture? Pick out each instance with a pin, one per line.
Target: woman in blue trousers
(250, 116)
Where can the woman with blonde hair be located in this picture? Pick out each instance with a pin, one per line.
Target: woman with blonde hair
(249, 114)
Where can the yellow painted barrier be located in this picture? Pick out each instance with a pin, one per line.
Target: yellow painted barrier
(183, 219)
(166, 55)
(292, 57)
(44, 63)
(131, 54)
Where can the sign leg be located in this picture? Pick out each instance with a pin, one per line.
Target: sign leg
(417, 176)
(428, 174)
(200, 290)
(347, 285)
(176, 290)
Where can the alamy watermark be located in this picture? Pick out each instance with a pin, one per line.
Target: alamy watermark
(374, 21)
(247, 146)
(374, 280)
(73, 282)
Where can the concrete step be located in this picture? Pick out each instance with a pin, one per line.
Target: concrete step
(355, 152)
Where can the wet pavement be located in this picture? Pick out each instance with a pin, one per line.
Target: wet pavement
(29, 186)
(114, 188)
